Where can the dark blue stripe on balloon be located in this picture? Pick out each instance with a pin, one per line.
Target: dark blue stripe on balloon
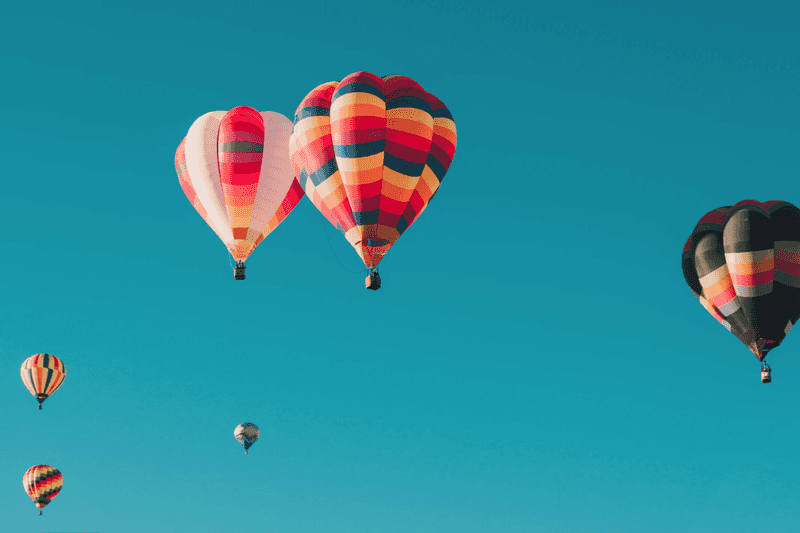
(303, 179)
(379, 242)
(324, 172)
(357, 88)
(409, 101)
(436, 167)
(30, 378)
(402, 166)
(47, 381)
(359, 150)
(364, 218)
(311, 111)
(402, 225)
(442, 113)
(240, 147)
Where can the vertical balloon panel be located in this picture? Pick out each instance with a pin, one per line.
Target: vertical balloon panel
(202, 167)
(240, 152)
(409, 131)
(749, 254)
(188, 189)
(786, 219)
(690, 274)
(358, 130)
(314, 161)
(275, 197)
(443, 149)
(707, 257)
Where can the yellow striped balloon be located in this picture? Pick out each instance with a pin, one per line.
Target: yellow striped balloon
(43, 374)
(42, 483)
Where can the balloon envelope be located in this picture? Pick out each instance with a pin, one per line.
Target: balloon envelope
(742, 262)
(370, 153)
(42, 374)
(42, 483)
(234, 169)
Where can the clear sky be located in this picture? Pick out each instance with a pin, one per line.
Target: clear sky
(534, 360)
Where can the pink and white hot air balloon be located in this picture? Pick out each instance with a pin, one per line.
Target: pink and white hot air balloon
(234, 168)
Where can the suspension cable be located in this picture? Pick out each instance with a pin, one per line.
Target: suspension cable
(325, 231)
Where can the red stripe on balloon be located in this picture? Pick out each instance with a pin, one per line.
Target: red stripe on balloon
(752, 280)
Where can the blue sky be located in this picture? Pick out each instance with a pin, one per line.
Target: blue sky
(554, 373)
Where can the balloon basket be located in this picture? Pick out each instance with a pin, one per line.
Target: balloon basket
(766, 376)
(373, 281)
(238, 272)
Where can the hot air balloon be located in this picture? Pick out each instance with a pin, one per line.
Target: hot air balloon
(743, 265)
(370, 153)
(43, 374)
(42, 483)
(234, 169)
(247, 434)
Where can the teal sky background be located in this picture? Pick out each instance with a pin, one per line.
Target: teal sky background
(534, 360)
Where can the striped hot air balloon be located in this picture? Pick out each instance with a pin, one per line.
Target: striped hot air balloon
(42, 374)
(42, 483)
(234, 169)
(743, 265)
(247, 435)
(370, 153)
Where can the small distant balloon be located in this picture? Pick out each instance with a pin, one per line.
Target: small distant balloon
(43, 374)
(247, 434)
(42, 483)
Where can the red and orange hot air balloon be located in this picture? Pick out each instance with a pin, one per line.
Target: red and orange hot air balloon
(42, 374)
(370, 153)
(42, 483)
(743, 265)
(234, 169)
